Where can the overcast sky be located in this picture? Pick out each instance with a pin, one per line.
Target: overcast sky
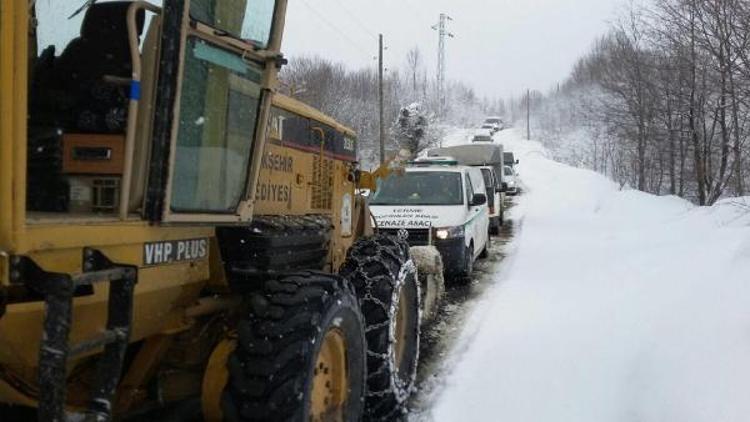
(501, 46)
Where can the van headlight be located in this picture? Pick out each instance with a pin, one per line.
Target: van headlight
(449, 232)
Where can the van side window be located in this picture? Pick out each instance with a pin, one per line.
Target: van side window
(477, 179)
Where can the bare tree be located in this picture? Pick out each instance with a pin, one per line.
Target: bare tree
(665, 100)
(414, 61)
(349, 96)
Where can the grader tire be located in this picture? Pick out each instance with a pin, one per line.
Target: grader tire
(300, 353)
(384, 278)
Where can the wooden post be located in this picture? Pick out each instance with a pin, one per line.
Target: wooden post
(380, 105)
(528, 114)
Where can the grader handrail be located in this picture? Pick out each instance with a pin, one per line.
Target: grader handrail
(135, 87)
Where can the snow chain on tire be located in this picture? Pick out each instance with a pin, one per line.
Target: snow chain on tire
(271, 371)
(383, 274)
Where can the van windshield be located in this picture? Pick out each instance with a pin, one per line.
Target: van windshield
(420, 188)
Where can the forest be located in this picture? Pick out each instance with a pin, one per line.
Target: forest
(660, 103)
(351, 97)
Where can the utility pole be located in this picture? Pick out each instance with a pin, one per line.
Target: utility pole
(380, 99)
(528, 114)
(442, 28)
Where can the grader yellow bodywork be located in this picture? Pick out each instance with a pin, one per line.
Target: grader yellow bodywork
(47, 250)
(172, 229)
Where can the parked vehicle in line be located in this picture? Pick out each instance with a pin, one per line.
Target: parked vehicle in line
(489, 158)
(509, 159)
(496, 198)
(495, 121)
(511, 181)
(436, 201)
(482, 135)
(492, 127)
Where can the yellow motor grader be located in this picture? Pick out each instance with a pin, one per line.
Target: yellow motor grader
(174, 234)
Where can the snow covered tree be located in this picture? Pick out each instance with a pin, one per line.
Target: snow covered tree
(350, 96)
(412, 129)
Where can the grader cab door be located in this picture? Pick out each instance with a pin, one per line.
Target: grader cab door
(214, 96)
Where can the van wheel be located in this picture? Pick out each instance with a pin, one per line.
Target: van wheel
(300, 353)
(495, 226)
(486, 251)
(385, 280)
(465, 276)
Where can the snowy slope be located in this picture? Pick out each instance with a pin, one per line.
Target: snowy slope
(614, 306)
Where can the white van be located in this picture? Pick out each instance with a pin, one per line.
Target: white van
(436, 202)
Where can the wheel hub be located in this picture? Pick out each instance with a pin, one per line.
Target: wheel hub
(330, 386)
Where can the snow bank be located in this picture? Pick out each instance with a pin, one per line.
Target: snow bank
(617, 306)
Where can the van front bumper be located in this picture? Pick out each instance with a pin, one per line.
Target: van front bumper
(453, 252)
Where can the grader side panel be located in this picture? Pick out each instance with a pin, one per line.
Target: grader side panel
(304, 199)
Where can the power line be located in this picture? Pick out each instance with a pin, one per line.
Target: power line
(362, 26)
(412, 7)
(337, 29)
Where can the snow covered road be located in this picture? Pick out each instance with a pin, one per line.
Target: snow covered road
(614, 305)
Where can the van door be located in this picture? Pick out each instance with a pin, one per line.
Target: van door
(479, 214)
(472, 217)
(468, 192)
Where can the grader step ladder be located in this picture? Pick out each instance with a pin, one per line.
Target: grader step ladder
(57, 291)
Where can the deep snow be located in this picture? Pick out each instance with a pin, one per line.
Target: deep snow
(612, 306)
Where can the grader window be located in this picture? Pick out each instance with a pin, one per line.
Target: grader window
(219, 106)
(80, 68)
(250, 20)
(57, 23)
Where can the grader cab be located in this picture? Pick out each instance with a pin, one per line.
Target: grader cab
(174, 234)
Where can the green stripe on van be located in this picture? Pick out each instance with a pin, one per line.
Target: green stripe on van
(475, 217)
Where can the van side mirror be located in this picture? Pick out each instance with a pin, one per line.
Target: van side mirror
(478, 199)
(503, 187)
(517, 161)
